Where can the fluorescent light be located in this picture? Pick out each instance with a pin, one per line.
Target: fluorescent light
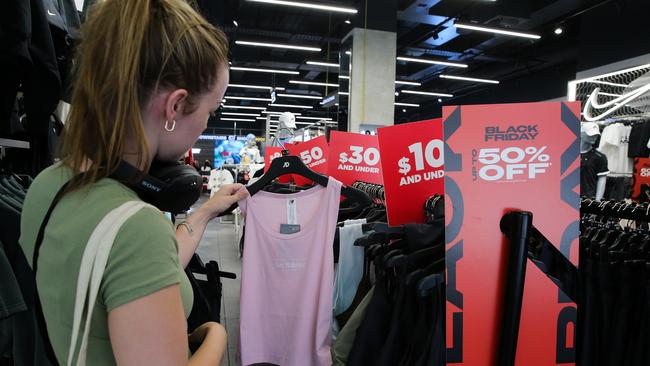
(235, 23)
(427, 93)
(261, 118)
(469, 79)
(316, 118)
(414, 83)
(196, 151)
(607, 83)
(407, 104)
(609, 94)
(318, 63)
(243, 107)
(300, 96)
(237, 119)
(344, 93)
(497, 31)
(347, 21)
(240, 114)
(279, 113)
(313, 83)
(396, 94)
(248, 98)
(249, 86)
(558, 31)
(291, 106)
(344, 77)
(298, 4)
(279, 45)
(433, 62)
(348, 52)
(271, 71)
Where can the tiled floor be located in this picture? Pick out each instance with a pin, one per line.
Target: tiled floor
(219, 244)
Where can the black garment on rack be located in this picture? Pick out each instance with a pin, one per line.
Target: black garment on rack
(618, 188)
(639, 137)
(593, 165)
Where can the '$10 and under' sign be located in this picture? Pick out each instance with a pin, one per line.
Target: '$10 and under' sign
(415, 163)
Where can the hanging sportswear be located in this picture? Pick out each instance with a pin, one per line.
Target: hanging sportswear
(287, 276)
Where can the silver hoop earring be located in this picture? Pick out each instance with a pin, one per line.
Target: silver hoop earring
(170, 129)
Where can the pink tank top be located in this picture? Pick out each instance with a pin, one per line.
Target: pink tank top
(287, 279)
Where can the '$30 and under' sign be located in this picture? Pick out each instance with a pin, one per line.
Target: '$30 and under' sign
(422, 154)
(360, 159)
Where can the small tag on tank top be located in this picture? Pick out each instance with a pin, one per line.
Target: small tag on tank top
(292, 215)
(291, 227)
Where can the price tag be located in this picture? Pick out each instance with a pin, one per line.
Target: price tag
(314, 154)
(641, 178)
(412, 159)
(355, 157)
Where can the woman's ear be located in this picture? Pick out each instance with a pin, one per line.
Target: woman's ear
(175, 104)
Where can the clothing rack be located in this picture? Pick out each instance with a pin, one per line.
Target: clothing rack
(375, 191)
(9, 143)
(616, 209)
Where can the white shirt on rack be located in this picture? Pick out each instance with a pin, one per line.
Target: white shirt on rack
(614, 143)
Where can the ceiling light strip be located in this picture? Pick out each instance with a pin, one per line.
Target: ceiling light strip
(271, 71)
(243, 107)
(279, 113)
(237, 119)
(497, 31)
(407, 104)
(300, 96)
(488, 81)
(427, 93)
(313, 83)
(278, 45)
(319, 63)
(240, 114)
(291, 106)
(432, 62)
(298, 4)
(247, 98)
(402, 82)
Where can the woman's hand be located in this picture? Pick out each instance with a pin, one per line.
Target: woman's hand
(224, 198)
(199, 334)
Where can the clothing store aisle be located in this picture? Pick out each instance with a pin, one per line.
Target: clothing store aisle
(219, 244)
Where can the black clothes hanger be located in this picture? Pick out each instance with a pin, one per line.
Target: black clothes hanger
(293, 165)
(415, 276)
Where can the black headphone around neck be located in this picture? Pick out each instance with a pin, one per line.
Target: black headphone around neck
(171, 187)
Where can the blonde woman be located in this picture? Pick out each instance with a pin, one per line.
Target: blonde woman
(149, 74)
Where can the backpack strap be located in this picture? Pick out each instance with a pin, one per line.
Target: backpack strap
(38, 309)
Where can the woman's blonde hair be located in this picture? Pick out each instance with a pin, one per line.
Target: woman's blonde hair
(129, 50)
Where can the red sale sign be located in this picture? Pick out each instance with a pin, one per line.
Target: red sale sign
(641, 184)
(271, 153)
(412, 161)
(500, 158)
(314, 153)
(355, 157)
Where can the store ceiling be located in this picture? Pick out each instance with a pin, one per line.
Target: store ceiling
(425, 29)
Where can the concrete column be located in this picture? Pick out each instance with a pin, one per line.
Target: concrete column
(372, 79)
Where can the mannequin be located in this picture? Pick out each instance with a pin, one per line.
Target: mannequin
(250, 154)
(287, 124)
(593, 163)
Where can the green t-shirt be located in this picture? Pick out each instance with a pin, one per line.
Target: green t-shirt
(143, 260)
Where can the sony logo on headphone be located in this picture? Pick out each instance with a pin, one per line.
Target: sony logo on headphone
(286, 165)
(151, 186)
